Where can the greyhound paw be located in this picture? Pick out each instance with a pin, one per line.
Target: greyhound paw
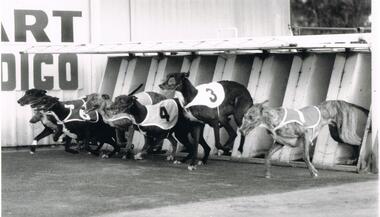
(33, 149)
(268, 176)
(191, 167)
(200, 163)
(177, 162)
(220, 152)
(314, 175)
(72, 151)
(138, 156)
(239, 155)
(60, 139)
(105, 156)
(124, 157)
(169, 157)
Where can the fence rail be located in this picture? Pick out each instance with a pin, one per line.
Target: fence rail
(358, 41)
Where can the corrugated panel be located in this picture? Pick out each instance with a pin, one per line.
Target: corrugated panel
(15, 127)
(110, 21)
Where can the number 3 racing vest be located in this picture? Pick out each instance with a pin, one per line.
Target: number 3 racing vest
(210, 95)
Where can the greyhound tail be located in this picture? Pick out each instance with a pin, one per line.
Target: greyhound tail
(241, 105)
(135, 90)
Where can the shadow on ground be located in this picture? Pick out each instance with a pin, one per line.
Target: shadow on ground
(55, 183)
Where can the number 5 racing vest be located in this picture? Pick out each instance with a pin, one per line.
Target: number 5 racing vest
(309, 117)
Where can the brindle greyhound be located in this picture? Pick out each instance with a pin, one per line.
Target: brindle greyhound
(298, 128)
(182, 127)
(236, 102)
(102, 103)
(75, 123)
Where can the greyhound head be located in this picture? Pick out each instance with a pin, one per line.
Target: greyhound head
(120, 120)
(93, 102)
(174, 81)
(252, 118)
(100, 102)
(46, 103)
(31, 96)
(123, 103)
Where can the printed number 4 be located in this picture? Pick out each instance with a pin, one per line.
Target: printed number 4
(213, 97)
(164, 114)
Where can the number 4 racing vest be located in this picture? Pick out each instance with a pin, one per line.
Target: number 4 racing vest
(163, 115)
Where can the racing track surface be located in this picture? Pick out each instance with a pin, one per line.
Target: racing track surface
(55, 183)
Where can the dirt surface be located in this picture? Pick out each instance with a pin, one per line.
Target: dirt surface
(55, 183)
(354, 199)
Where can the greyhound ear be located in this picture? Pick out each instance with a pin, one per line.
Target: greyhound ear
(132, 99)
(106, 96)
(186, 74)
(44, 91)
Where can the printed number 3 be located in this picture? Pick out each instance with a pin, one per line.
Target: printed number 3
(213, 95)
(164, 114)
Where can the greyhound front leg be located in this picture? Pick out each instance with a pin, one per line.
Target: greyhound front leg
(306, 143)
(139, 156)
(120, 137)
(57, 132)
(204, 145)
(47, 131)
(195, 134)
(174, 143)
(275, 147)
(68, 149)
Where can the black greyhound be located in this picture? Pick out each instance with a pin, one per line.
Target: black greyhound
(31, 96)
(49, 122)
(180, 125)
(82, 125)
(236, 102)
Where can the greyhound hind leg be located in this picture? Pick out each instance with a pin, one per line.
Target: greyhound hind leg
(231, 133)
